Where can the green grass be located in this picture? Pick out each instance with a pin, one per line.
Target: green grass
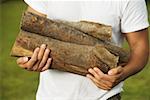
(0, 54)
(18, 84)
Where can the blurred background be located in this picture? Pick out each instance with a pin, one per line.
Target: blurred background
(18, 84)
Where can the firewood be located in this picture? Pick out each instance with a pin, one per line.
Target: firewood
(75, 46)
(97, 30)
(47, 27)
(73, 32)
(70, 57)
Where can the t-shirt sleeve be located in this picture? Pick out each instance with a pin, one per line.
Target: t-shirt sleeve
(38, 5)
(134, 16)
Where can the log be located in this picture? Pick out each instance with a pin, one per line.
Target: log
(76, 46)
(97, 30)
(47, 27)
(66, 56)
(73, 32)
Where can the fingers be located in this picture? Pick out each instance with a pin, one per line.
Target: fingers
(44, 59)
(103, 81)
(35, 67)
(33, 59)
(115, 71)
(39, 57)
(22, 60)
(49, 61)
(100, 78)
(99, 75)
(98, 83)
(98, 71)
(41, 52)
(94, 73)
(39, 61)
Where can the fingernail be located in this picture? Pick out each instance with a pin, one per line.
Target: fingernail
(90, 70)
(95, 68)
(37, 48)
(110, 73)
(25, 59)
(47, 50)
(43, 45)
(87, 75)
(50, 58)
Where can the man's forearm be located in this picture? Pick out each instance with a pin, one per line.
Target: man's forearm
(138, 60)
(134, 66)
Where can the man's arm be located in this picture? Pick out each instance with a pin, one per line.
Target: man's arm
(139, 47)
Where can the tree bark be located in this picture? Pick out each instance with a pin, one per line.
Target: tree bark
(66, 56)
(75, 46)
(99, 31)
(73, 32)
(46, 27)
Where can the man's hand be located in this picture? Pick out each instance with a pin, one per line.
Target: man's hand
(106, 81)
(39, 61)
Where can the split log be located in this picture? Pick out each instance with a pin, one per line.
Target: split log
(97, 30)
(70, 57)
(73, 32)
(46, 27)
(75, 46)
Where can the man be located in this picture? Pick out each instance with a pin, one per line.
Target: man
(128, 19)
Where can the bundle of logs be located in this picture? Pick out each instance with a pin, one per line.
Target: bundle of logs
(75, 46)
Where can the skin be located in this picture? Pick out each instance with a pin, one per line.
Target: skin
(139, 47)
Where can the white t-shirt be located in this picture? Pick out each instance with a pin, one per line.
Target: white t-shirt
(123, 15)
